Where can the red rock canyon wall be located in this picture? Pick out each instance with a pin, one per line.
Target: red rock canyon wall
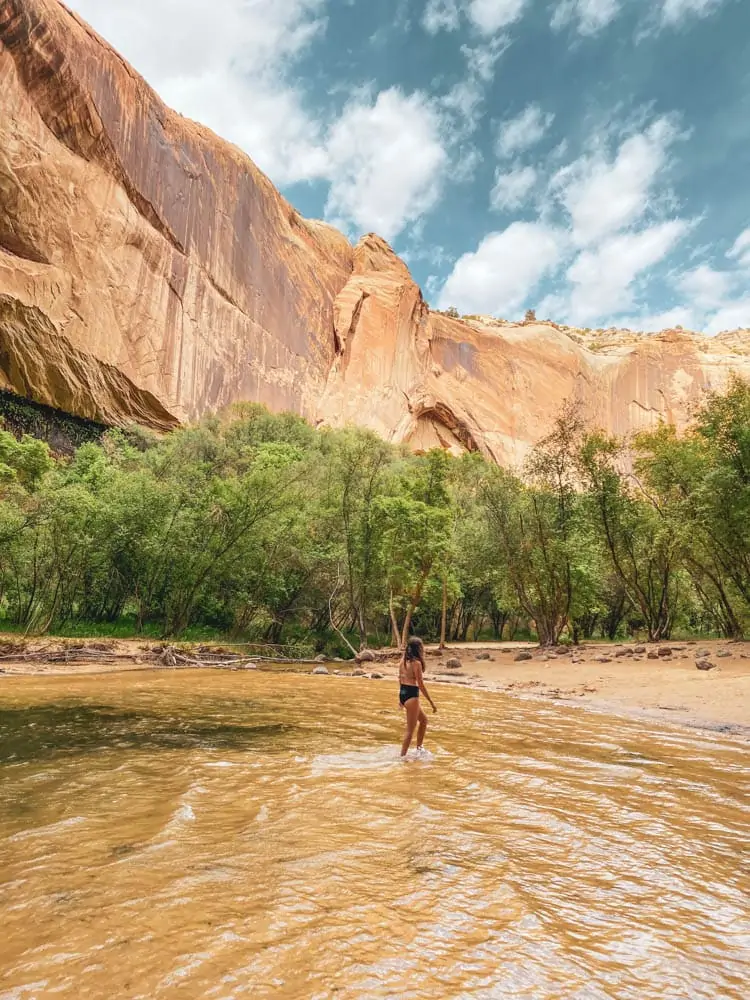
(150, 272)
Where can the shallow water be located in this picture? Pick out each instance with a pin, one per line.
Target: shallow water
(226, 835)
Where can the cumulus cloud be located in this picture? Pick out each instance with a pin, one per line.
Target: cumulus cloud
(466, 98)
(498, 277)
(602, 278)
(740, 250)
(386, 161)
(604, 195)
(487, 16)
(656, 322)
(673, 12)
(383, 157)
(512, 188)
(441, 15)
(490, 16)
(733, 316)
(704, 287)
(228, 71)
(515, 135)
(589, 16)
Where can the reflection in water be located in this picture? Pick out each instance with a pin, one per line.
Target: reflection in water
(225, 835)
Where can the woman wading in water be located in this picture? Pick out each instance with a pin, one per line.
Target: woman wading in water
(411, 677)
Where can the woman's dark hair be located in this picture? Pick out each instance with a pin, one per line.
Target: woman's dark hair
(415, 649)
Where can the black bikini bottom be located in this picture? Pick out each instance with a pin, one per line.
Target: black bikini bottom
(407, 692)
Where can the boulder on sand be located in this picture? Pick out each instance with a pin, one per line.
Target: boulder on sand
(365, 656)
(482, 656)
(652, 654)
(453, 664)
(664, 651)
(704, 665)
(523, 655)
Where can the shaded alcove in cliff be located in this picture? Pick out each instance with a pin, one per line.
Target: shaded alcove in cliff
(438, 427)
(62, 431)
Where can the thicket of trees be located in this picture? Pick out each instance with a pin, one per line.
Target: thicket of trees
(262, 528)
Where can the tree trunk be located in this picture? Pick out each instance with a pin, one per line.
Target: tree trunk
(394, 623)
(444, 616)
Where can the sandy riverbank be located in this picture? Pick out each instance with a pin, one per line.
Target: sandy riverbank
(605, 678)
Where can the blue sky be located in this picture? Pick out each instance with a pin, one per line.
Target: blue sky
(589, 159)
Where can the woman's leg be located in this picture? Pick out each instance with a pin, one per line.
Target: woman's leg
(412, 717)
(422, 728)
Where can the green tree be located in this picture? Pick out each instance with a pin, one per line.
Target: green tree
(644, 550)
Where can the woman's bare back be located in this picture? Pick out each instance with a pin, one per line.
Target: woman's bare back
(408, 672)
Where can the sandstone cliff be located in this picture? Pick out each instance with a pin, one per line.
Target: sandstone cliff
(150, 272)
(488, 385)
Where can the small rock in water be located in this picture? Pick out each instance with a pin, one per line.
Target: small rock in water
(376, 677)
(320, 670)
(665, 651)
(723, 653)
(704, 665)
(453, 664)
(321, 659)
(358, 673)
(523, 655)
(250, 666)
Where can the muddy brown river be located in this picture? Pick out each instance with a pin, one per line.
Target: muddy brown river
(226, 835)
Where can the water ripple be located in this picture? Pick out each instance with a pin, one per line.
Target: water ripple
(226, 836)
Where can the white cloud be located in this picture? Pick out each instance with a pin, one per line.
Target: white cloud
(602, 277)
(740, 250)
(656, 322)
(465, 99)
(733, 316)
(383, 157)
(591, 16)
(675, 11)
(385, 161)
(603, 196)
(441, 15)
(511, 188)
(227, 70)
(490, 16)
(482, 59)
(505, 268)
(515, 135)
(704, 287)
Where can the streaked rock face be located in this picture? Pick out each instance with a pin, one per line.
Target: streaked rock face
(150, 272)
(418, 376)
(137, 242)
